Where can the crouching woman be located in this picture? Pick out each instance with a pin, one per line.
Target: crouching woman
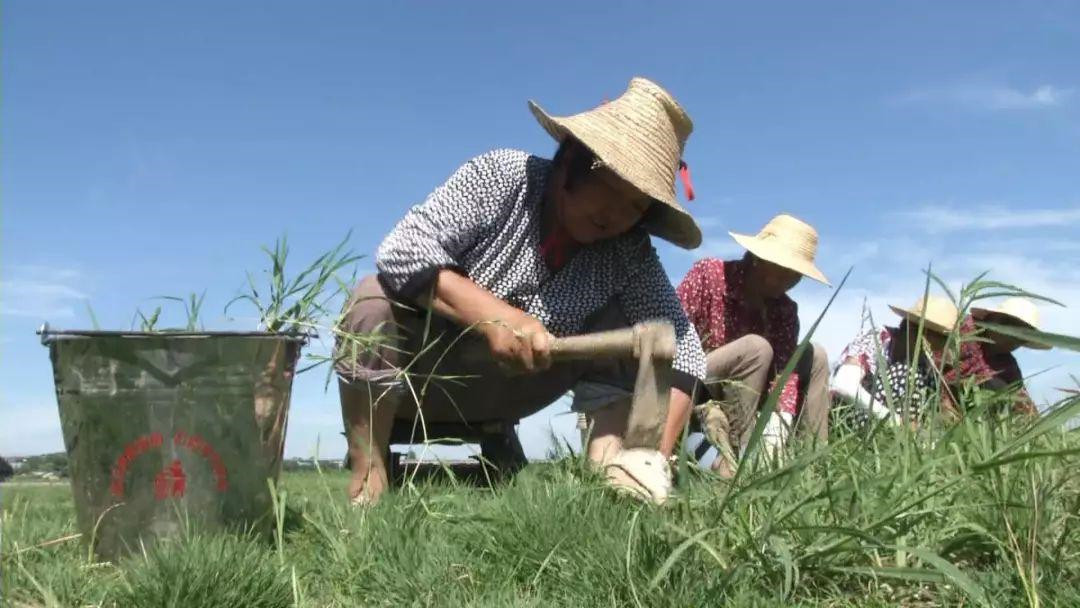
(512, 250)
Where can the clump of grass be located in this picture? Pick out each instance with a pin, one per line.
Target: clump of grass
(983, 513)
(214, 570)
(148, 324)
(297, 303)
(93, 317)
(192, 308)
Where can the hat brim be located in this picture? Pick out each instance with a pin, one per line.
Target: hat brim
(988, 314)
(672, 223)
(780, 257)
(916, 317)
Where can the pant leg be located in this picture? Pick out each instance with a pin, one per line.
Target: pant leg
(605, 392)
(427, 364)
(605, 381)
(736, 376)
(814, 410)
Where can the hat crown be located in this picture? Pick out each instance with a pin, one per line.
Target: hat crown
(788, 242)
(936, 309)
(644, 88)
(1022, 309)
(793, 233)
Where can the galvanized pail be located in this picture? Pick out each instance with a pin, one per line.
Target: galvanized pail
(171, 429)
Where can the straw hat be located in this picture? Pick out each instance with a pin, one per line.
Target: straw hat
(1013, 311)
(937, 313)
(641, 473)
(786, 241)
(640, 136)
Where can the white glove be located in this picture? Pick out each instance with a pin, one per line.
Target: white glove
(847, 383)
(642, 473)
(776, 433)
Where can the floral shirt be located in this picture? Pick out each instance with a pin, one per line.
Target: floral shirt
(484, 222)
(712, 295)
(977, 362)
(973, 363)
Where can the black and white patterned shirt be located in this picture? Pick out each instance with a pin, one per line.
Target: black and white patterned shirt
(485, 223)
(902, 386)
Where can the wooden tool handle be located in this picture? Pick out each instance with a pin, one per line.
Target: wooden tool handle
(622, 343)
(614, 344)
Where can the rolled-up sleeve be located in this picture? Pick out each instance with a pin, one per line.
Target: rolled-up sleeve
(650, 296)
(452, 219)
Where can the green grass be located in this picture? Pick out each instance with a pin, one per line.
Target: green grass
(980, 514)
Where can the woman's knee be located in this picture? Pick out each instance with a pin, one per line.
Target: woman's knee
(367, 312)
(367, 308)
(821, 358)
(757, 348)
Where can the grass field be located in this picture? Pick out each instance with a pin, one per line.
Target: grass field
(979, 514)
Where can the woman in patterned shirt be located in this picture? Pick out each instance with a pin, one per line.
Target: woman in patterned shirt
(511, 250)
(889, 373)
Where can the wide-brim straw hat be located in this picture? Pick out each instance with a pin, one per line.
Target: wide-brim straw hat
(640, 136)
(1013, 311)
(786, 241)
(936, 313)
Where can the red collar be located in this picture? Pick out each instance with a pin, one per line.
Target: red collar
(556, 248)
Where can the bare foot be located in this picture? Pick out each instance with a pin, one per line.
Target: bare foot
(366, 490)
(722, 467)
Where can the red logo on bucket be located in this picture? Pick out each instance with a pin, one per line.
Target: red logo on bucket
(172, 480)
(131, 451)
(199, 446)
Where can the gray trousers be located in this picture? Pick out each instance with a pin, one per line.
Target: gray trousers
(422, 361)
(738, 376)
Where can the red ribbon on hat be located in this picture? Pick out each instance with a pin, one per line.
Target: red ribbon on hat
(684, 174)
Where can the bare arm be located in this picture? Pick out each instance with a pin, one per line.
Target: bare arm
(515, 338)
(677, 416)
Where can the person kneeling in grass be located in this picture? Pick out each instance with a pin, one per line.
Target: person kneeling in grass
(892, 373)
(513, 249)
(991, 362)
(750, 329)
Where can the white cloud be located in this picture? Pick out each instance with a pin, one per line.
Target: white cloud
(47, 295)
(992, 97)
(951, 218)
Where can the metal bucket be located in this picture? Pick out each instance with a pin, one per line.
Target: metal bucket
(171, 430)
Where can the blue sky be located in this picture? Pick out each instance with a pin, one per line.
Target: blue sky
(151, 148)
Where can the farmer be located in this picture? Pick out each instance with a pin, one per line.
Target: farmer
(750, 329)
(912, 367)
(511, 250)
(992, 362)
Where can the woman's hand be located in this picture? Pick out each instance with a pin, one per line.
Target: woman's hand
(520, 343)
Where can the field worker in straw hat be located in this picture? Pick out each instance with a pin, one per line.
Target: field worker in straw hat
(522, 248)
(991, 363)
(750, 329)
(912, 368)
